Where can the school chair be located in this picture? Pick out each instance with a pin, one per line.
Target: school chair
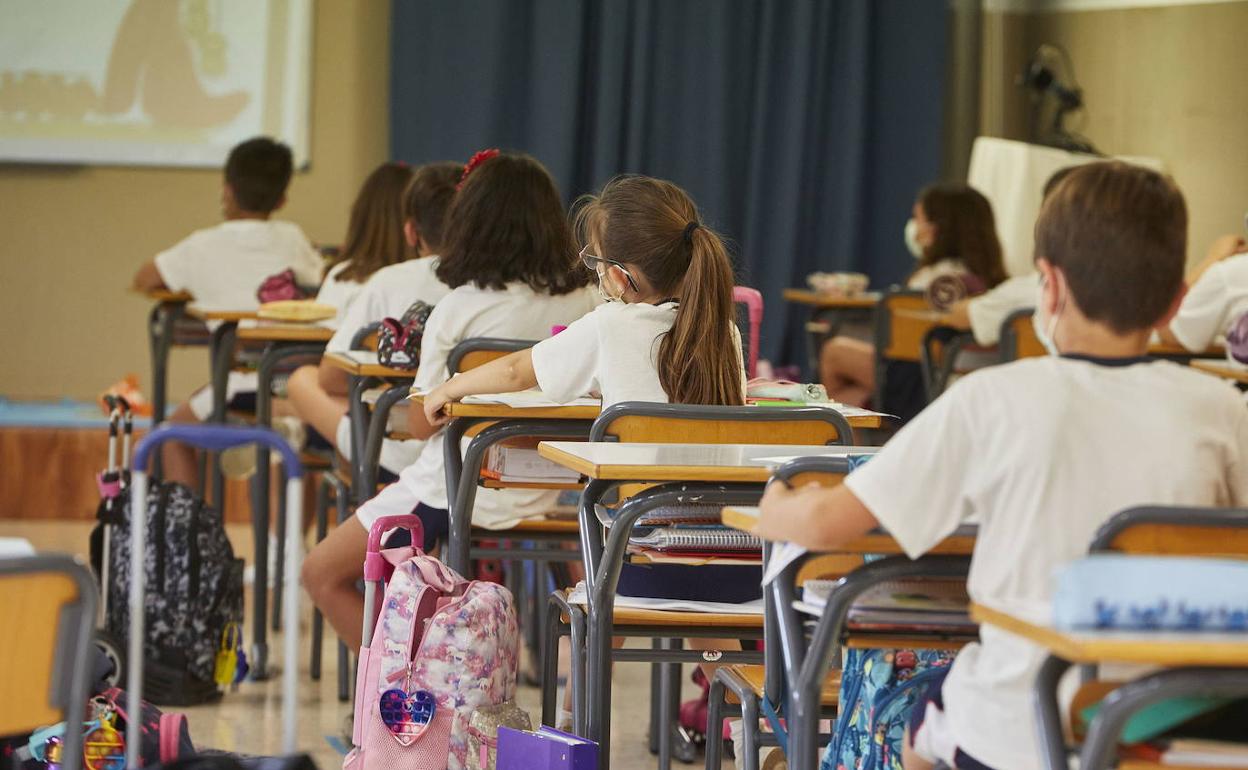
(49, 605)
(749, 307)
(604, 549)
(749, 686)
(938, 357)
(1154, 531)
(898, 336)
(1018, 337)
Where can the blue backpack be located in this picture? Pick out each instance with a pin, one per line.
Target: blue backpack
(878, 690)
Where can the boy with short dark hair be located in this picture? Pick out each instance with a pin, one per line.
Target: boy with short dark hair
(223, 266)
(1042, 451)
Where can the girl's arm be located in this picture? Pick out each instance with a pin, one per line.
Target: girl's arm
(508, 374)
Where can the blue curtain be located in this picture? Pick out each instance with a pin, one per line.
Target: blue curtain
(802, 128)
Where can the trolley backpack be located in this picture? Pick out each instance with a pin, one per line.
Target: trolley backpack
(440, 648)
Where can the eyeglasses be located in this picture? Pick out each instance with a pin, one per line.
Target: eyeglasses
(591, 261)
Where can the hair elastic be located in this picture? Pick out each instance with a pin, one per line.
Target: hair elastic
(689, 228)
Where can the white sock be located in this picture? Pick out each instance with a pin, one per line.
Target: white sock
(564, 720)
(738, 743)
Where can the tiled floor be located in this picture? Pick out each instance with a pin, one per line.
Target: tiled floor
(249, 720)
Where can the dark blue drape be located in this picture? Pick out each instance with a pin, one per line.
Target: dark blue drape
(802, 128)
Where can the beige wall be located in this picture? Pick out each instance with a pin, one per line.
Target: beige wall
(1169, 82)
(71, 237)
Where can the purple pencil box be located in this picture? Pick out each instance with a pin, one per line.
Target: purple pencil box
(546, 749)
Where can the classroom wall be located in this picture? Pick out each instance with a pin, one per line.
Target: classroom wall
(71, 237)
(1166, 80)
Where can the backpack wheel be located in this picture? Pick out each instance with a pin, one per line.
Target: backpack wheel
(112, 649)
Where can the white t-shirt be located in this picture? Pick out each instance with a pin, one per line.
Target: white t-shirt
(517, 312)
(337, 292)
(612, 351)
(222, 266)
(1212, 305)
(388, 293)
(1042, 452)
(990, 309)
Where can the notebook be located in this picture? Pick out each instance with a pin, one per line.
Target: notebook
(697, 538)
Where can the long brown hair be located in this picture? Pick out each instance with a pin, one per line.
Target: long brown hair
(375, 230)
(965, 231)
(428, 197)
(647, 224)
(507, 224)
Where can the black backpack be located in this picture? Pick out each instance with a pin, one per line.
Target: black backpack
(194, 592)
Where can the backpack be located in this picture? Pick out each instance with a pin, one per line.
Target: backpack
(194, 592)
(280, 286)
(398, 341)
(416, 690)
(878, 690)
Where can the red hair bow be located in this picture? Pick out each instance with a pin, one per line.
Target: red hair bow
(476, 160)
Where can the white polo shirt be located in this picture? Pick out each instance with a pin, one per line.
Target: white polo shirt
(1215, 302)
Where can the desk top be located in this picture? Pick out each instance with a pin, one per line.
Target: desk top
(831, 301)
(1178, 351)
(923, 316)
(277, 331)
(205, 314)
(1220, 368)
(1158, 648)
(960, 543)
(345, 362)
(165, 295)
(676, 462)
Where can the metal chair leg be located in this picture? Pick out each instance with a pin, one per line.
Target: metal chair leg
(715, 725)
(279, 557)
(318, 620)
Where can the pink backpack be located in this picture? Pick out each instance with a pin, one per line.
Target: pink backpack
(416, 690)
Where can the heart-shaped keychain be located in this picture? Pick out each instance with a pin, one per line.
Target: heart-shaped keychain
(407, 715)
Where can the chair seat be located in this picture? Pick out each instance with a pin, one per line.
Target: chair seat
(755, 677)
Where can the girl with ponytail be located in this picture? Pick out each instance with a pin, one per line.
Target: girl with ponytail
(666, 331)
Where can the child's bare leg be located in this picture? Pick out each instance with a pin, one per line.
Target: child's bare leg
(910, 759)
(180, 461)
(313, 404)
(847, 370)
(330, 573)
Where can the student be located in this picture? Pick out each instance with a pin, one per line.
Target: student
(1217, 298)
(666, 334)
(1042, 451)
(374, 236)
(509, 261)
(319, 393)
(223, 266)
(984, 314)
(952, 232)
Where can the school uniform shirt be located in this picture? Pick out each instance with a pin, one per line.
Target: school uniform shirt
(1042, 452)
(612, 351)
(516, 312)
(223, 266)
(1215, 302)
(989, 310)
(336, 292)
(387, 293)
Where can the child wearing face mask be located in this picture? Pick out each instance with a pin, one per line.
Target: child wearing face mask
(1042, 451)
(952, 232)
(666, 335)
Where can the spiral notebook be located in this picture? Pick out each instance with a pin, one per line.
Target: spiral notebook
(712, 537)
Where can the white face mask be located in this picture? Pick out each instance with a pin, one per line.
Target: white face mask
(1046, 329)
(912, 238)
(602, 288)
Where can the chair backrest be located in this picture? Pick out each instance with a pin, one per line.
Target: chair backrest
(897, 337)
(475, 351)
(1176, 531)
(749, 307)
(365, 338)
(48, 603)
(1018, 337)
(651, 423)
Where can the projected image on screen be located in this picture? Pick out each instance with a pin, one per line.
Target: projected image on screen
(162, 82)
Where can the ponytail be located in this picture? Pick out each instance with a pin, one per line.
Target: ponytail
(699, 361)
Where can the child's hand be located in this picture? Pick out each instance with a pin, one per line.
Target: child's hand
(786, 513)
(434, 402)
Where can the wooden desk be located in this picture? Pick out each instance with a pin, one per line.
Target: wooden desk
(271, 331)
(1220, 368)
(162, 322)
(922, 316)
(1194, 663)
(1164, 350)
(362, 369)
(610, 461)
(165, 295)
(960, 543)
(206, 314)
(825, 301)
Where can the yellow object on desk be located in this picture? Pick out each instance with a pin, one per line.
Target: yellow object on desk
(1157, 648)
(296, 311)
